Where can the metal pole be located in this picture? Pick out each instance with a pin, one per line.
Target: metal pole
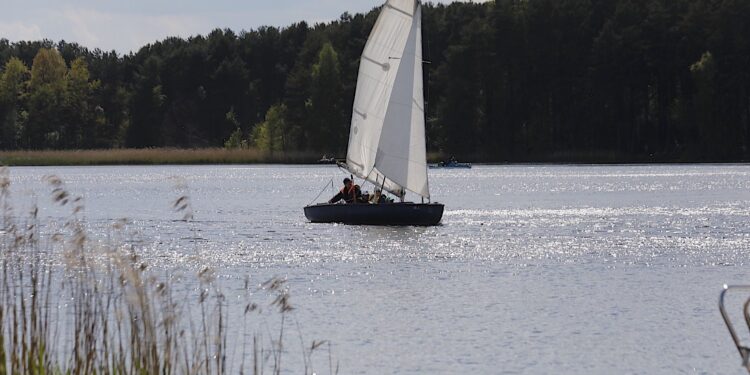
(744, 351)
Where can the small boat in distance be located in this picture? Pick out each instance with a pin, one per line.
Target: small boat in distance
(451, 164)
(327, 160)
(387, 145)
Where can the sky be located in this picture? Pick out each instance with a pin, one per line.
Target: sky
(127, 25)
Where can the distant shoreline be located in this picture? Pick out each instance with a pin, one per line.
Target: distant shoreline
(153, 156)
(221, 156)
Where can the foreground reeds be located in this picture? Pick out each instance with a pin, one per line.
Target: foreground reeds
(101, 310)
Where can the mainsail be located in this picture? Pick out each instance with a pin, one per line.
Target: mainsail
(387, 136)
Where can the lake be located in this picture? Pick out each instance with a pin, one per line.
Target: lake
(535, 269)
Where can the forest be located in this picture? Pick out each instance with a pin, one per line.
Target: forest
(506, 81)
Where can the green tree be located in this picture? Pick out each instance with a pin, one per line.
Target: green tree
(461, 109)
(297, 89)
(49, 68)
(147, 106)
(327, 128)
(13, 81)
(507, 80)
(704, 76)
(45, 101)
(236, 139)
(270, 134)
(83, 119)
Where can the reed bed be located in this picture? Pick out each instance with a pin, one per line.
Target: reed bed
(164, 156)
(154, 156)
(102, 310)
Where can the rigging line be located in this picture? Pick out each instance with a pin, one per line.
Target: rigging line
(321, 192)
(366, 179)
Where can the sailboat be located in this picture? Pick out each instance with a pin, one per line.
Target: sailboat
(387, 136)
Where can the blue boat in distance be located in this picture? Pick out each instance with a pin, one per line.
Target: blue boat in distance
(451, 165)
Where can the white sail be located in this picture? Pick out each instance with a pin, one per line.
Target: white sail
(387, 137)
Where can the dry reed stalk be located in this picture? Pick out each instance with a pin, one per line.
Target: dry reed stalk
(120, 317)
(154, 156)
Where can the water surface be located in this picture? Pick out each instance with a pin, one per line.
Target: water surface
(535, 270)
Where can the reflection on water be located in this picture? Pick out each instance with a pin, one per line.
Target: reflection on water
(536, 269)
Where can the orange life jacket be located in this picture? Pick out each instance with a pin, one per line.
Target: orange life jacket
(350, 193)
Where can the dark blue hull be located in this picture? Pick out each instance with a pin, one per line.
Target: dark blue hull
(401, 214)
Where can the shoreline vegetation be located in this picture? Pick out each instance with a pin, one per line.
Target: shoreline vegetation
(223, 156)
(517, 81)
(154, 156)
(162, 156)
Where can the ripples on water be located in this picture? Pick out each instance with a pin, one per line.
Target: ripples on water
(536, 269)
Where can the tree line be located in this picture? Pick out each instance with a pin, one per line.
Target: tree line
(507, 80)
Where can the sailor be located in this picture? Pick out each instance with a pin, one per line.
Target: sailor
(350, 193)
(378, 197)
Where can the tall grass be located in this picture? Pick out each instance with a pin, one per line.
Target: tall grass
(154, 156)
(103, 311)
(162, 156)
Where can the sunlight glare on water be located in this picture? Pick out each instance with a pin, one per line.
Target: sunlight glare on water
(535, 269)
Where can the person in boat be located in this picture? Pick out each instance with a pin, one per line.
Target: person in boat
(350, 193)
(377, 197)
